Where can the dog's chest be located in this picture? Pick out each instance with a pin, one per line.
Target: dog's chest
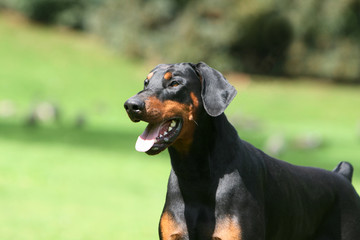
(201, 216)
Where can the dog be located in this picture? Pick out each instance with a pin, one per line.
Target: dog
(223, 188)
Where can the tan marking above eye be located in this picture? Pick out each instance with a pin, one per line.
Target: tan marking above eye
(168, 75)
(150, 75)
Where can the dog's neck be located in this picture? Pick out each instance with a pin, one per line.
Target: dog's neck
(205, 159)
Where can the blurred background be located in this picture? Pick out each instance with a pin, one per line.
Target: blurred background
(68, 167)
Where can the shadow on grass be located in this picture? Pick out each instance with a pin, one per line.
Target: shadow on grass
(114, 140)
(124, 141)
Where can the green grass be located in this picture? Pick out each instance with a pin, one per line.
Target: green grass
(300, 107)
(59, 182)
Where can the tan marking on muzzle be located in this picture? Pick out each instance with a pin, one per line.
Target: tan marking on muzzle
(158, 111)
(194, 106)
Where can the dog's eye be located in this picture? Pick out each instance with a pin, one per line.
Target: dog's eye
(146, 82)
(174, 84)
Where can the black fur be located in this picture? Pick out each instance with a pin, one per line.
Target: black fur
(223, 177)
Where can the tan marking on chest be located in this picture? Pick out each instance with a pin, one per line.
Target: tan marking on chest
(169, 229)
(227, 228)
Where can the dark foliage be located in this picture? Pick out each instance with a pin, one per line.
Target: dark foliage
(300, 37)
(264, 44)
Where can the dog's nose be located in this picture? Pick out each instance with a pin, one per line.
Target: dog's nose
(135, 108)
(134, 105)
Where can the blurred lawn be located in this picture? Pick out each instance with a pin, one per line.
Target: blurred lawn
(59, 182)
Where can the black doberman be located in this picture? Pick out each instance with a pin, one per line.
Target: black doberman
(223, 188)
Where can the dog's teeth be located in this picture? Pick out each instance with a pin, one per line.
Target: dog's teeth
(166, 139)
(173, 123)
(160, 136)
(165, 133)
(170, 128)
(155, 148)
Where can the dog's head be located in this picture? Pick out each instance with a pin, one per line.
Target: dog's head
(173, 97)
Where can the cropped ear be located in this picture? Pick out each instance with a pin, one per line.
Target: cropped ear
(216, 92)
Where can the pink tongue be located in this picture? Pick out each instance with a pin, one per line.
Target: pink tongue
(147, 139)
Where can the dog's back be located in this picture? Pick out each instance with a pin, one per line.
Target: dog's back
(303, 200)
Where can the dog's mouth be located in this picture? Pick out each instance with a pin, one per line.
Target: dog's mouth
(158, 136)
